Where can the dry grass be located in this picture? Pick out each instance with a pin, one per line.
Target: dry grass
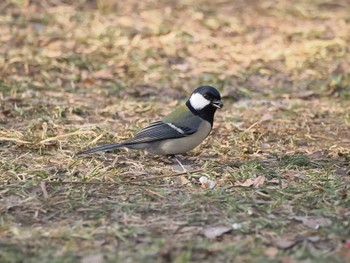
(76, 75)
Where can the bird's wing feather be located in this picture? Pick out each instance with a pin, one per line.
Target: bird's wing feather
(160, 130)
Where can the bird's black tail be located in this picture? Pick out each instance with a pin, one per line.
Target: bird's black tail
(102, 148)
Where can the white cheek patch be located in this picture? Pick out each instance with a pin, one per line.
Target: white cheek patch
(198, 102)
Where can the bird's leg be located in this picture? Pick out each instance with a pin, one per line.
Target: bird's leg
(171, 158)
(183, 168)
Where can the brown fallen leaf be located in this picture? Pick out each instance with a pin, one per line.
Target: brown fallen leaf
(266, 117)
(104, 74)
(216, 231)
(259, 181)
(271, 252)
(256, 182)
(313, 223)
(53, 49)
(293, 175)
(247, 183)
(98, 258)
(184, 180)
(283, 242)
(287, 259)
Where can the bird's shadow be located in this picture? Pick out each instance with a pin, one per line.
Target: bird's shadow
(180, 162)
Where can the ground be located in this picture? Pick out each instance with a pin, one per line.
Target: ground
(75, 75)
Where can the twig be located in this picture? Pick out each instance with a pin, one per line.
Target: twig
(96, 139)
(154, 193)
(61, 136)
(43, 189)
(125, 182)
(13, 140)
(251, 126)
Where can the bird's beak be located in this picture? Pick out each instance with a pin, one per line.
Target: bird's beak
(217, 104)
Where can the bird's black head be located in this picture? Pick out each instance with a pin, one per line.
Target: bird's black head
(204, 101)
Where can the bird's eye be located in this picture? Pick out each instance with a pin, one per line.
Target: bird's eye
(206, 96)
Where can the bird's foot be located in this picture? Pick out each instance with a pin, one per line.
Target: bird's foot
(168, 159)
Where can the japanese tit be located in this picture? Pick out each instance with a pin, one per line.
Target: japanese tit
(180, 131)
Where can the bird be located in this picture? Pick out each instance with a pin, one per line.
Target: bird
(180, 131)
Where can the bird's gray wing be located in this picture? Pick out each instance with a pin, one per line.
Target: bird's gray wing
(160, 130)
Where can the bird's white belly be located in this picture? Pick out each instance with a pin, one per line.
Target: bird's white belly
(181, 145)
